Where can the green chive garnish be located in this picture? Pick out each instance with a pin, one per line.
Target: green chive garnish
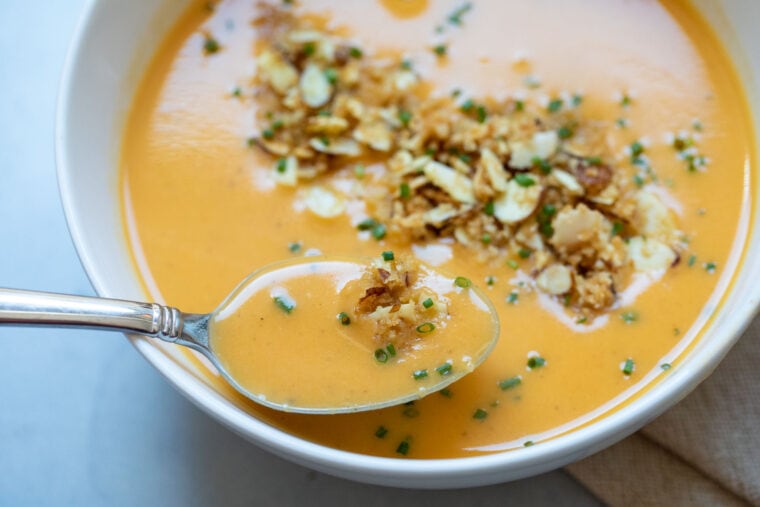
(381, 432)
(344, 318)
(381, 356)
(692, 260)
(388, 256)
(295, 246)
(428, 303)
(404, 191)
(379, 231)
(440, 50)
(331, 75)
(404, 117)
(355, 52)
(510, 383)
(284, 303)
(210, 45)
(524, 253)
(710, 267)
(282, 165)
(366, 225)
(665, 366)
(425, 328)
(309, 48)
(419, 374)
(512, 298)
(628, 367)
(629, 317)
(481, 113)
(536, 362)
(462, 282)
(444, 369)
(554, 105)
(391, 350)
(480, 414)
(446, 392)
(403, 448)
(524, 180)
(488, 209)
(565, 132)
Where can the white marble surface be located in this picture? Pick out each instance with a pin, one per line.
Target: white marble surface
(84, 420)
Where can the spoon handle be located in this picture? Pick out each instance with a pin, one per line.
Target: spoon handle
(45, 308)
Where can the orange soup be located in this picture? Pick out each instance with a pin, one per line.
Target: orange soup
(651, 76)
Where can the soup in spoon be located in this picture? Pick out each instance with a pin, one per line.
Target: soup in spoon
(331, 335)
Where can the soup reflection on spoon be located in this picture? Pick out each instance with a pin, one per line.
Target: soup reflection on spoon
(320, 335)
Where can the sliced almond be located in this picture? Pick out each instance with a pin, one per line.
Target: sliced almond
(323, 202)
(273, 69)
(346, 147)
(648, 254)
(455, 184)
(517, 203)
(576, 226)
(556, 279)
(375, 134)
(653, 219)
(315, 87)
(543, 145)
(568, 181)
(494, 169)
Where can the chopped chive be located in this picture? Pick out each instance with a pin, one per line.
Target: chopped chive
(577, 100)
(425, 328)
(455, 18)
(428, 303)
(277, 125)
(629, 317)
(512, 264)
(710, 267)
(324, 113)
(467, 106)
(481, 113)
(381, 356)
(381, 431)
(536, 362)
(444, 369)
(617, 228)
(284, 303)
(440, 50)
(510, 383)
(210, 45)
(404, 117)
(403, 448)
(267, 134)
(512, 298)
(388, 256)
(625, 101)
(404, 191)
(638, 180)
(411, 411)
(692, 260)
(524, 180)
(676, 331)
(565, 132)
(355, 52)
(621, 123)
(419, 374)
(524, 253)
(554, 105)
(488, 209)
(480, 414)
(367, 224)
(406, 64)
(490, 280)
(462, 282)
(237, 92)
(542, 165)
(582, 320)
(295, 246)
(628, 367)
(309, 48)
(665, 366)
(637, 149)
(344, 319)
(485, 239)
(528, 443)
(282, 165)
(519, 105)
(391, 350)
(379, 231)
(446, 392)
(359, 171)
(594, 160)
(331, 75)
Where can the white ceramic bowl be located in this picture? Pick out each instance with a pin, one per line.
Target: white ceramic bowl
(112, 47)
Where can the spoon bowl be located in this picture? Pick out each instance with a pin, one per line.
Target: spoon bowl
(352, 383)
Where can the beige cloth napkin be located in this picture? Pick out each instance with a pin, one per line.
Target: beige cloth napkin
(704, 451)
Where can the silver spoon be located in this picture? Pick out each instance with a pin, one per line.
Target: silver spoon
(22, 307)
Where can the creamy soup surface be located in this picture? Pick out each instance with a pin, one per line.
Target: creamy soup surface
(647, 70)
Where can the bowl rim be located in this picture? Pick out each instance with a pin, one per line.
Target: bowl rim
(510, 464)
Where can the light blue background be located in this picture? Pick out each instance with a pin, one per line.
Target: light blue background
(84, 420)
